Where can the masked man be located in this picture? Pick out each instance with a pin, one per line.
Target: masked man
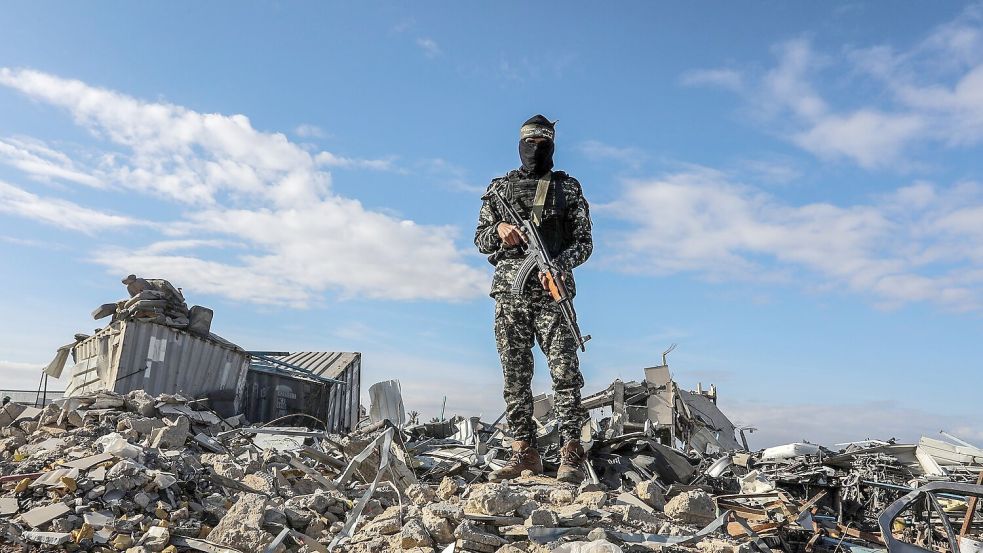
(554, 202)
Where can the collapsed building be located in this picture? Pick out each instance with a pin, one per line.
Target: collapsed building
(171, 439)
(156, 344)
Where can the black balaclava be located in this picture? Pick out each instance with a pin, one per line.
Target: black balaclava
(536, 157)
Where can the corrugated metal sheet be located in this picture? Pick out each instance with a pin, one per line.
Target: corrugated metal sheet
(335, 404)
(133, 355)
(322, 363)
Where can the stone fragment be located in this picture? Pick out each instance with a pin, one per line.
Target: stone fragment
(40, 516)
(650, 492)
(122, 541)
(637, 516)
(716, 545)
(174, 434)
(156, 538)
(494, 499)
(446, 510)
(692, 507)
(598, 546)
(597, 534)
(592, 500)
(138, 427)
(561, 496)
(386, 524)
(8, 506)
(140, 402)
(470, 532)
(258, 482)
(439, 528)
(47, 538)
(527, 508)
(448, 488)
(143, 499)
(66, 524)
(242, 523)
(543, 517)
(420, 494)
(572, 515)
(414, 534)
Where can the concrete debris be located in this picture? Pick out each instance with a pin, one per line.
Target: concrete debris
(693, 507)
(666, 471)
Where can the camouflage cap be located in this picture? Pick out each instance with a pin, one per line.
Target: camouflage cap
(537, 126)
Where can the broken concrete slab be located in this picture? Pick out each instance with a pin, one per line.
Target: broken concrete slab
(8, 506)
(242, 523)
(47, 538)
(85, 463)
(39, 516)
(692, 507)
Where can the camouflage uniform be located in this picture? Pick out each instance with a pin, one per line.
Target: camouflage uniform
(519, 319)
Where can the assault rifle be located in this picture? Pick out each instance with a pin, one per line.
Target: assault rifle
(538, 257)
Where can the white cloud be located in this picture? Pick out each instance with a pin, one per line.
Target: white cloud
(596, 150)
(928, 93)
(729, 79)
(429, 46)
(167, 246)
(299, 240)
(309, 131)
(771, 170)
(57, 212)
(327, 159)
(908, 246)
(43, 163)
(871, 138)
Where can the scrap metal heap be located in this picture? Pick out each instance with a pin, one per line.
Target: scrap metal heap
(111, 472)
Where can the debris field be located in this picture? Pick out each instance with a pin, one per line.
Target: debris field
(103, 470)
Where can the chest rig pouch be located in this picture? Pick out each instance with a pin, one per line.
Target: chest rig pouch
(521, 192)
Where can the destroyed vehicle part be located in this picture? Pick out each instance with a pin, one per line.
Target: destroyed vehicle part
(927, 498)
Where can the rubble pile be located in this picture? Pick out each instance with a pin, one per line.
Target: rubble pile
(124, 470)
(155, 300)
(108, 472)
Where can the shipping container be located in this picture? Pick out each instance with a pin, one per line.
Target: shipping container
(134, 355)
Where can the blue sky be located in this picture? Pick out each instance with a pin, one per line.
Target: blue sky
(790, 191)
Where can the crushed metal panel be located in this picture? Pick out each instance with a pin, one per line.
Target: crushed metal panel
(718, 426)
(951, 454)
(134, 355)
(386, 403)
(660, 401)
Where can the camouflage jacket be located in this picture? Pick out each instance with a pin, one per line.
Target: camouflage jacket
(565, 227)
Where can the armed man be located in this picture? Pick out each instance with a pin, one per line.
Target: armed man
(533, 294)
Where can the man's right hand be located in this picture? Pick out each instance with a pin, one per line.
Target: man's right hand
(510, 235)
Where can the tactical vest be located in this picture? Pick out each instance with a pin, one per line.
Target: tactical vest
(521, 193)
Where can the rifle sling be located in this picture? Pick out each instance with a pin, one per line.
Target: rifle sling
(541, 189)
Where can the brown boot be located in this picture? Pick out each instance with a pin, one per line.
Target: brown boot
(571, 463)
(524, 457)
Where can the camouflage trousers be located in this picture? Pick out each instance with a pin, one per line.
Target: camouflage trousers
(518, 321)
